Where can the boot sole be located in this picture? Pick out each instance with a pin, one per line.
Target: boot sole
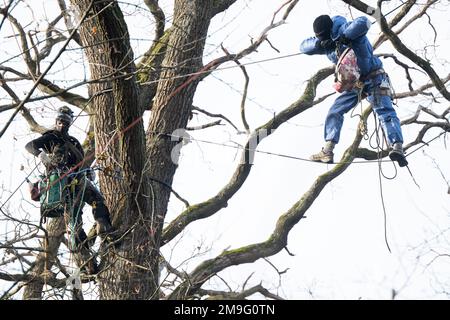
(319, 160)
(400, 159)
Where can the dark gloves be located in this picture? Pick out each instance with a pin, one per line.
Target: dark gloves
(344, 40)
(90, 174)
(326, 44)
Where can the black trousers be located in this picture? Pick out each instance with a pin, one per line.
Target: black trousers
(85, 192)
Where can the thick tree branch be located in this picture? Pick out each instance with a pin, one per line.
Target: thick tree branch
(68, 21)
(278, 240)
(220, 6)
(211, 206)
(149, 70)
(425, 65)
(382, 38)
(159, 16)
(31, 64)
(62, 94)
(227, 295)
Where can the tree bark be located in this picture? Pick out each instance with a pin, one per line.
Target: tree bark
(128, 271)
(173, 100)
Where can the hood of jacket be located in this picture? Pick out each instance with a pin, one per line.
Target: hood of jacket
(338, 22)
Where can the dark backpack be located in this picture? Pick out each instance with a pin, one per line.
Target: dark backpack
(54, 194)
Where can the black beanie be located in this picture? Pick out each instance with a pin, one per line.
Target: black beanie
(322, 27)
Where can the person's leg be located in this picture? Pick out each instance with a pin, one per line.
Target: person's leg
(78, 243)
(84, 258)
(100, 211)
(333, 124)
(382, 105)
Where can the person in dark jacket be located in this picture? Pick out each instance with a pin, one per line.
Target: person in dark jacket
(332, 37)
(59, 151)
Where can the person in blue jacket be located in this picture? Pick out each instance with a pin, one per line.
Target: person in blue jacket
(332, 37)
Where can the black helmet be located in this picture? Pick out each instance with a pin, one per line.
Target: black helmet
(65, 115)
(322, 27)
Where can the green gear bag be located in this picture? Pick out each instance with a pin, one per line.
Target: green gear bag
(54, 195)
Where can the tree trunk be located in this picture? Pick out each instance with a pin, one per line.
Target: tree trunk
(173, 101)
(45, 260)
(127, 272)
(131, 269)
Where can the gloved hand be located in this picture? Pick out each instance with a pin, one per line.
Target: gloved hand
(344, 40)
(326, 44)
(90, 174)
(44, 158)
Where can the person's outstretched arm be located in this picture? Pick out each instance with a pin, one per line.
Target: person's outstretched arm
(312, 46)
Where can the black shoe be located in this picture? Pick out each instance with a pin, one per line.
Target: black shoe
(106, 230)
(91, 267)
(399, 156)
(103, 226)
(86, 261)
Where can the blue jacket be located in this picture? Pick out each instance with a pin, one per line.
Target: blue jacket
(356, 31)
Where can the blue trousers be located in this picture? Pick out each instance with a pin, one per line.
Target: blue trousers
(381, 104)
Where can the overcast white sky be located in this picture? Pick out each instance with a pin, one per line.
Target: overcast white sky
(339, 248)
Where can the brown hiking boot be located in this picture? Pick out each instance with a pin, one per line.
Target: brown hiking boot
(322, 156)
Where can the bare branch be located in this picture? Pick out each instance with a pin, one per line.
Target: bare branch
(398, 17)
(425, 65)
(419, 90)
(253, 47)
(186, 203)
(41, 77)
(31, 64)
(211, 206)
(35, 127)
(50, 40)
(159, 16)
(383, 37)
(216, 115)
(244, 95)
(278, 240)
(68, 21)
(403, 65)
(205, 126)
